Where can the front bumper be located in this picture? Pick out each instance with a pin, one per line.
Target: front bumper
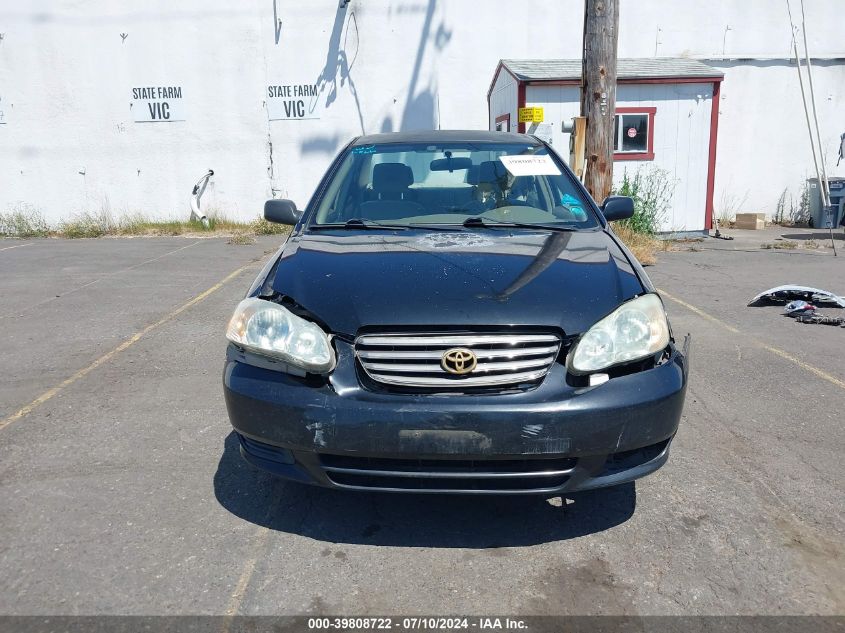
(552, 439)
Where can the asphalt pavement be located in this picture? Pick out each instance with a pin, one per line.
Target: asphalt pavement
(122, 491)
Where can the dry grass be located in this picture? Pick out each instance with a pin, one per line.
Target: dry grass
(790, 245)
(782, 245)
(241, 239)
(138, 224)
(260, 226)
(23, 221)
(644, 247)
(87, 225)
(29, 222)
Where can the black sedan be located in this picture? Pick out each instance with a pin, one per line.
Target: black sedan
(452, 313)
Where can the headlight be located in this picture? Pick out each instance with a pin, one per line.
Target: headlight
(634, 330)
(268, 329)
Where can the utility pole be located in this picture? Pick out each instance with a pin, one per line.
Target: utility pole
(598, 93)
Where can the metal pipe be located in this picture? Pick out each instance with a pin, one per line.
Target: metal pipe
(822, 182)
(196, 214)
(825, 184)
(804, 100)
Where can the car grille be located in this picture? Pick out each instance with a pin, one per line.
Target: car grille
(414, 360)
(433, 475)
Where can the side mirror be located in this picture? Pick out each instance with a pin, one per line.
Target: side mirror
(281, 212)
(617, 208)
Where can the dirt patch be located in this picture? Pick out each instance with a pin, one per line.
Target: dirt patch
(590, 588)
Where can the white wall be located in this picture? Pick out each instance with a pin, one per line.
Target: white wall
(66, 77)
(763, 144)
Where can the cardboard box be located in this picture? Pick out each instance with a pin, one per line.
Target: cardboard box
(753, 221)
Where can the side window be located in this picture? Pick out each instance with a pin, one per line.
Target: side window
(633, 134)
(567, 204)
(337, 196)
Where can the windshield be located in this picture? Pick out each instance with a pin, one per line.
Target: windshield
(430, 183)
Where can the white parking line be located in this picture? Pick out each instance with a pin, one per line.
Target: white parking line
(6, 248)
(44, 397)
(758, 343)
(29, 308)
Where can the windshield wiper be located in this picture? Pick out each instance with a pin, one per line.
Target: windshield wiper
(486, 223)
(359, 223)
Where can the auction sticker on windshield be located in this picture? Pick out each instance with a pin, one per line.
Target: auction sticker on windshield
(522, 165)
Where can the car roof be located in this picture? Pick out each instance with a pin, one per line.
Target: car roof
(441, 136)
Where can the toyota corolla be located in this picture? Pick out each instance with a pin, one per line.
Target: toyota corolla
(453, 313)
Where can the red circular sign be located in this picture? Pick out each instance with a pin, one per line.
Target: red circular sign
(632, 132)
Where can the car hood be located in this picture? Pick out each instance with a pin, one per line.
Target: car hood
(358, 279)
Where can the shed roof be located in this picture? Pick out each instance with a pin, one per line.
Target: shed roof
(626, 68)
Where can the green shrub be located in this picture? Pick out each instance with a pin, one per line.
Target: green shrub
(652, 190)
(260, 226)
(87, 225)
(25, 221)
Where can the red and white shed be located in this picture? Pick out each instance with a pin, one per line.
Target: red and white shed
(667, 115)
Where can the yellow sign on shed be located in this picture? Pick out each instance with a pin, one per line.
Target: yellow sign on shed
(531, 115)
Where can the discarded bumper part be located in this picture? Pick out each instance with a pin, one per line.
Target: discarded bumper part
(820, 319)
(798, 307)
(804, 312)
(782, 294)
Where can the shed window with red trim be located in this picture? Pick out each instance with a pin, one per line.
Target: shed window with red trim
(633, 134)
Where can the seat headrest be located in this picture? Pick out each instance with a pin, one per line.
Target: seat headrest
(521, 185)
(472, 175)
(392, 177)
(491, 171)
